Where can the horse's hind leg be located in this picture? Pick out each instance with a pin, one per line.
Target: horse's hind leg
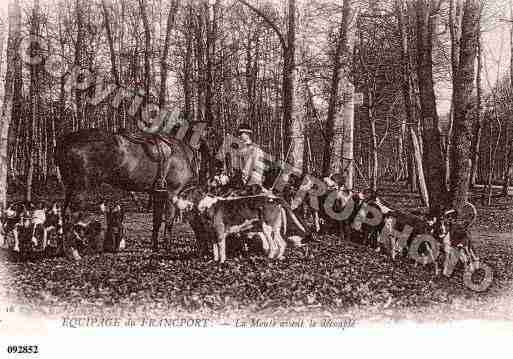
(170, 219)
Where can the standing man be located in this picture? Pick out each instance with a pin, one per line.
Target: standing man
(251, 158)
(252, 164)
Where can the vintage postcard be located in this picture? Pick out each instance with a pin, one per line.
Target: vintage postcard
(309, 178)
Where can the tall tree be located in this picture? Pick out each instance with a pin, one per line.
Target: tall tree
(16, 120)
(13, 58)
(433, 159)
(147, 51)
(80, 58)
(477, 130)
(348, 103)
(292, 123)
(187, 66)
(509, 145)
(464, 79)
(455, 12)
(33, 138)
(409, 101)
(332, 154)
(110, 40)
(165, 51)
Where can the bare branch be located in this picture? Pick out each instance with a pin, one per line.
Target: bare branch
(269, 22)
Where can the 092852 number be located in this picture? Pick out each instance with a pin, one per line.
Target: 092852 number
(22, 349)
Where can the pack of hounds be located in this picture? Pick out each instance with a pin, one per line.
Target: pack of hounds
(233, 216)
(254, 221)
(31, 230)
(426, 238)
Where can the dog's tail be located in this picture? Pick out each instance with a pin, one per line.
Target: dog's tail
(284, 222)
(298, 223)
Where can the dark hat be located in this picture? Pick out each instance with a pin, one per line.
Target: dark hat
(245, 128)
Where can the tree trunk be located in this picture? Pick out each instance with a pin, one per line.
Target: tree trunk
(348, 109)
(332, 159)
(292, 120)
(147, 52)
(492, 150)
(163, 60)
(14, 132)
(509, 145)
(373, 141)
(33, 138)
(210, 20)
(455, 12)
(13, 60)
(506, 160)
(79, 60)
(464, 80)
(400, 166)
(419, 179)
(416, 169)
(187, 74)
(200, 68)
(433, 159)
(114, 68)
(478, 124)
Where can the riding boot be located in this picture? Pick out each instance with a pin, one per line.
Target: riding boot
(161, 183)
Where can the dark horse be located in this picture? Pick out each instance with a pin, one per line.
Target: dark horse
(90, 157)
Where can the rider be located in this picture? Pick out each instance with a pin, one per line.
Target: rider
(251, 158)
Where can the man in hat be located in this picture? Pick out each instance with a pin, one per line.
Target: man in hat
(251, 158)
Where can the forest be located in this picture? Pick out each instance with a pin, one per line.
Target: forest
(328, 86)
(408, 99)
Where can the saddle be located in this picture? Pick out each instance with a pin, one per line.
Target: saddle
(155, 146)
(158, 149)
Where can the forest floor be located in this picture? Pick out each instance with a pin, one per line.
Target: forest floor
(339, 279)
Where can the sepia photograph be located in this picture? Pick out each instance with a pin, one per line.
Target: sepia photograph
(254, 164)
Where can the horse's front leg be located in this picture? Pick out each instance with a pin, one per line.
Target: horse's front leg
(158, 211)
